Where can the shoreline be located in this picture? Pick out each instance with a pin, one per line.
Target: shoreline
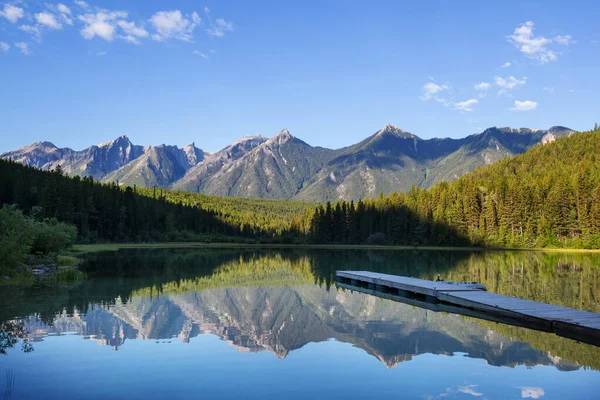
(91, 248)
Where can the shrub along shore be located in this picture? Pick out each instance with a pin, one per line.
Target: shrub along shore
(32, 245)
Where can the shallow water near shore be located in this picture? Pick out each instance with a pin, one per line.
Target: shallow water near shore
(234, 323)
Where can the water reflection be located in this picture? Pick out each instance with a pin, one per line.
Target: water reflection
(283, 319)
(280, 301)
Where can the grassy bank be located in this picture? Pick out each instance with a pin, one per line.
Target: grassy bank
(88, 248)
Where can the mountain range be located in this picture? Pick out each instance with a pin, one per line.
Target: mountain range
(285, 167)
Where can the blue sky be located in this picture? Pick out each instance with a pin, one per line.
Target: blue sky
(332, 72)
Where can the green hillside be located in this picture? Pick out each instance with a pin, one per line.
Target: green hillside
(547, 197)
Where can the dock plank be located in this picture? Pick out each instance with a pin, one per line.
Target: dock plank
(414, 285)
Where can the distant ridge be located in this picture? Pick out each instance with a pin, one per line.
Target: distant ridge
(285, 167)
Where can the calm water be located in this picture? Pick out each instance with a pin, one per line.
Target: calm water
(153, 324)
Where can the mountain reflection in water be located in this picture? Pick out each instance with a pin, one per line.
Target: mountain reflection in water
(280, 301)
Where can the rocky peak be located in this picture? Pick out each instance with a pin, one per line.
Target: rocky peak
(393, 130)
(48, 145)
(194, 154)
(281, 137)
(560, 129)
(515, 130)
(121, 141)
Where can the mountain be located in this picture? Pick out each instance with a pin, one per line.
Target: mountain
(389, 160)
(393, 160)
(96, 161)
(195, 178)
(285, 167)
(158, 166)
(489, 147)
(277, 168)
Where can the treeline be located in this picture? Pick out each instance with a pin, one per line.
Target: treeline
(106, 212)
(253, 217)
(547, 197)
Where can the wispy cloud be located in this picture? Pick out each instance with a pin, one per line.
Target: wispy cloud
(33, 30)
(63, 9)
(526, 105)
(432, 89)
(508, 83)
(506, 64)
(200, 54)
(537, 47)
(466, 105)
(548, 89)
(482, 86)
(219, 28)
(132, 32)
(23, 47)
(83, 5)
(4, 47)
(564, 40)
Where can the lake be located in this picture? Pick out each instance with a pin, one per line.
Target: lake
(261, 324)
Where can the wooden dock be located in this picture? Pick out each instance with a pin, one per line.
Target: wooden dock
(467, 300)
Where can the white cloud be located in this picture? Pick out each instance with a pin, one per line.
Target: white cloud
(196, 18)
(564, 40)
(536, 47)
(532, 392)
(466, 105)
(102, 53)
(47, 19)
(431, 89)
(199, 53)
(508, 83)
(4, 47)
(64, 13)
(548, 89)
(220, 28)
(506, 64)
(206, 10)
(102, 24)
(63, 9)
(131, 29)
(12, 13)
(526, 105)
(24, 47)
(95, 22)
(34, 30)
(469, 389)
(172, 25)
(483, 86)
(131, 39)
(82, 4)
